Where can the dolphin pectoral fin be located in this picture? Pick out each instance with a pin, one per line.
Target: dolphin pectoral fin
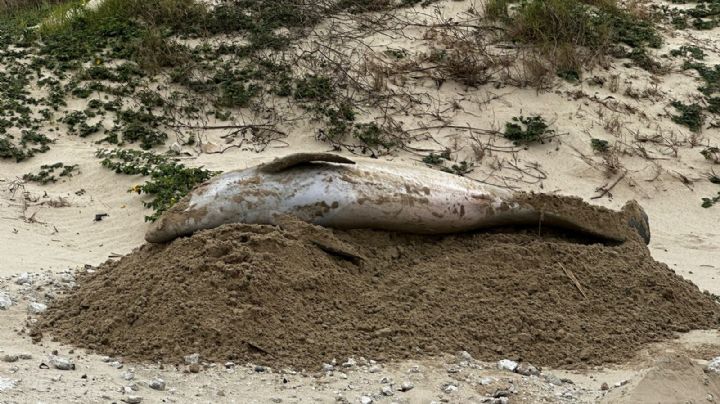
(292, 160)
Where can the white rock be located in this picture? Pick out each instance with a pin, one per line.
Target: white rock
(375, 369)
(23, 279)
(449, 388)
(127, 375)
(366, 400)
(157, 384)
(328, 367)
(6, 384)
(350, 363)
(36, 308)
(5, 301)
(465, 356)
(486, 380)
(192, 359)
(406, 386)
(62, 363)
(712, 366)
(386, 391)
(507, 364)
(132, 399)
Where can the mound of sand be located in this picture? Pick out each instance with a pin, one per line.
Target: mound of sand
(299, 295)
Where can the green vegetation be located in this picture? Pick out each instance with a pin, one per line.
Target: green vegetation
(169, 180)
(690, 115)
(47, 173)
(599, 145)
(524, 131)
(574, 34)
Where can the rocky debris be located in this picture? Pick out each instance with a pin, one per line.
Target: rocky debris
(61, 363)
(484, 381)
(526, 369)
(349, 363)
(132, 399)
(23, 279)
(25, 356)
(374, 369)
(620, 383)
(36, 308)
(406, 386)
(507, 364)
(229, 365)
(328, 367)
(465, 356)
(10, 358)
(713, 365)
(604, 387)
(5, 301)
(157, 384)
(449, 387)
(366, 400)
(127, 375)
(386, 391)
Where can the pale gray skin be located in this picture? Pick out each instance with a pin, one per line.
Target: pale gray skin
(331, 191)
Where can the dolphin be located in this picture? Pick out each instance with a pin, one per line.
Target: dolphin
(333, 191)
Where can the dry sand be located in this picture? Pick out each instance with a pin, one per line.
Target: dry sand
(36, 235)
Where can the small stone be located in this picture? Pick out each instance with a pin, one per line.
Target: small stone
(449, 388)
(36, 308)
(385, 380)
(366, 400)
(132, 399)
(194, 368)
(342, 375)
(221, 393)
(5, 301)
(10, 358)
(414, 369)
(229, 365)
(527, 369)
(386, 391)
(260, 369)
(23, 279)
(552, 379)
(375, 369)
(157, 384)
(453, 369)
(501, 400)
(132, 387)
(465, 356)
(192, 359)
(350, 363)
(25, 356)
(62, 363)
(604, 387)
(406, 386)
(620, 383)
(507, 364)
(486, 380)
(328, 367)
(276, 400)
(116, 365)
(710, 398)
(127, 375)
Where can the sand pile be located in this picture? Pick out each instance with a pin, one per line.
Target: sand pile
(298, 295)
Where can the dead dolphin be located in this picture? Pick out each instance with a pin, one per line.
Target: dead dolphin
(332, 191)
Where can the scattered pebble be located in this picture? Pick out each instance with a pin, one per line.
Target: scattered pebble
(5, 301)
(620, 383)
(366, 400)
(10, 358)
(406, 386)
(604, 387)
(527, 369)
(36, 308)
(128, 375)
(375, 369)
(157, 384)
(328, 367)
(386, 391)
(465, 356)
(507, 364)
(552, 379)
(229, 365)
(62, 363)
(132, 399)
(487, 380)
(23, 279)
(448, 388)
(350, 363)
(192, 359)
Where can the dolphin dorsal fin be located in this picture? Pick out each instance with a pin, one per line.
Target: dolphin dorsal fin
(292, 160)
